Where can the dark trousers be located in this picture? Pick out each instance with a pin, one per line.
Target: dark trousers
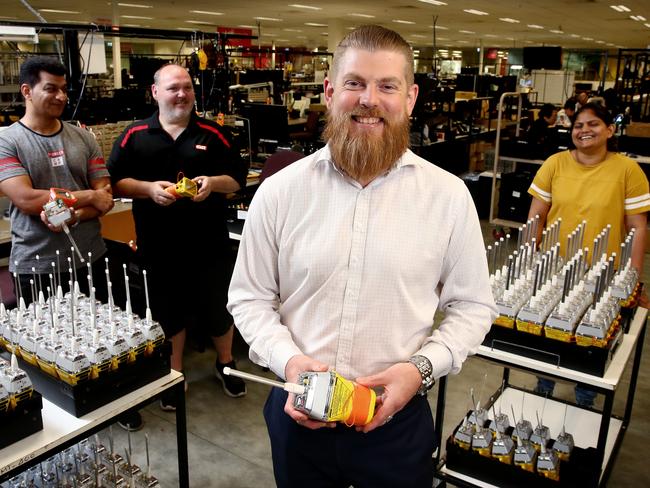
(397, 454)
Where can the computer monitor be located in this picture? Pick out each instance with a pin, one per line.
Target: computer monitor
(269, 124)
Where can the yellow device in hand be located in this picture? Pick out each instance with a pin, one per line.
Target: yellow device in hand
(184, 187)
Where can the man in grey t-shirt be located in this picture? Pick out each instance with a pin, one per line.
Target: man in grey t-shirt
(40, 152)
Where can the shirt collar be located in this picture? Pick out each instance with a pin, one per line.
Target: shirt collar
(324, 156)
(154, 121)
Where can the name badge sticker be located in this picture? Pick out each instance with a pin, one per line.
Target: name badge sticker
(201, 147)
(57, 158)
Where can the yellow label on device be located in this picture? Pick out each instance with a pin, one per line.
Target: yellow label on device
(351, 403)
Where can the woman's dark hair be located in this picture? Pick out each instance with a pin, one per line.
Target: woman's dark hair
(30, 70)
(599, 111)
(603, 114)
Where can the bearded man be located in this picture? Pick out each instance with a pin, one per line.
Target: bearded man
(345, 257)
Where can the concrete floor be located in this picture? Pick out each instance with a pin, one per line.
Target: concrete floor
(229, 447)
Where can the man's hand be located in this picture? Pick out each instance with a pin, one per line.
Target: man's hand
(157, 193)
(204, 184)
(103, 199)
(57, 228)
(401, 382)
(296, 365)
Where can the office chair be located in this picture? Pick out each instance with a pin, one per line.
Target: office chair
(278, 160)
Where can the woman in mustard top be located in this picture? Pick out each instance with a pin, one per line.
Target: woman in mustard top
(594, 184)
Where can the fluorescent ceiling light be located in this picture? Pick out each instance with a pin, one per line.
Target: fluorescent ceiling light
(509, 20)
(282, 40)
(363, 16)
(185, 29)
(308, 7)
(134, 5)
(315, 24)
(587, 38)
(647, 25)
(267, 34)
(55, 11)
(130, 25)
(399, 21)
(271, 19)
(474, 11)
(324, 34)
(600, 42)
(556, 31)
(205, 12)
(491, 35)
(301, 37)
(244, 26)
(640, 18)
(136, 17)
(419, 36)
(620, 8)
(432, 2)
(535, 26)
(292, 30)
(575, 35)
(466, 32)
(439, 27)
(199, 22)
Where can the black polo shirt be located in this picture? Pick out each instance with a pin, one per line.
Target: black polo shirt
(144, 151)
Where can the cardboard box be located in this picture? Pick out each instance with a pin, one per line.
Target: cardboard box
(638, 129)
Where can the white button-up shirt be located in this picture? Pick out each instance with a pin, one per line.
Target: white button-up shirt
(352, 276)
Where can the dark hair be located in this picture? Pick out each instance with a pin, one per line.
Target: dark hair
(546, 110)
(603, 114)
(30, 70)
(598, 110)
(570, 103)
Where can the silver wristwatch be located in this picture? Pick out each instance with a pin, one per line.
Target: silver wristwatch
(426, 371)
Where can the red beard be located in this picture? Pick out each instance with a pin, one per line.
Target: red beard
(362, 155)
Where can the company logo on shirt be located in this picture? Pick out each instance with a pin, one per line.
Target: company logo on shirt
(201, 147)
(57, 158)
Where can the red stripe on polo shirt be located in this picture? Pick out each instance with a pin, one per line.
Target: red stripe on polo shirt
(97, 162)
(10, 160)
(133, 129)
(214, 130)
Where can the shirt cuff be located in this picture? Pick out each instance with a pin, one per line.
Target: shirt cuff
(280, 356)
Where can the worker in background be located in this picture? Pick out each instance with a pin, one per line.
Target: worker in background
(581, 99)
(40, 152)
(594, 183)
(337, 269)
(540, 129)
(566, 114)
(182, 243)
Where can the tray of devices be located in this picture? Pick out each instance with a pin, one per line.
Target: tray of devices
(521, 439)
(92, 393)
(592, 360)
(20, 404)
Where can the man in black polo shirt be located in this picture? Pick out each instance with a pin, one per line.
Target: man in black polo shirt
(182, 243)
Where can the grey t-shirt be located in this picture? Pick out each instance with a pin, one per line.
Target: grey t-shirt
(69, 159)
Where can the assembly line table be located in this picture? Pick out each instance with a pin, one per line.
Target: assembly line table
(62, 430)
(591, 428)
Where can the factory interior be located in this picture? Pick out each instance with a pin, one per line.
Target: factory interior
(487, 73)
